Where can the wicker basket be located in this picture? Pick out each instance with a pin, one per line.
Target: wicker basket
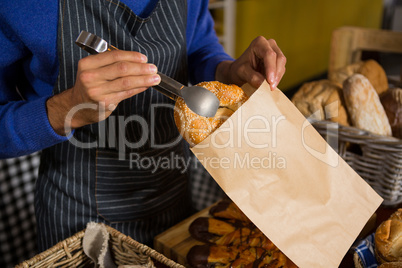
(377, 159)
(125, 251)
(357, 261)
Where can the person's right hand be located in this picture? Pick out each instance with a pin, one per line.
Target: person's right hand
(103, 81)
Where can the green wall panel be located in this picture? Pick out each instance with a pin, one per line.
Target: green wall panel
(302, 29)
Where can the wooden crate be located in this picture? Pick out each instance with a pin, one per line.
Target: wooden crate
(348, 43)
(175, 242)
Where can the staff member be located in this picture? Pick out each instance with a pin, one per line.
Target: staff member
(89, 114)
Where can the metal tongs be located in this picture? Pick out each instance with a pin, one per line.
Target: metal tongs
(200, 100)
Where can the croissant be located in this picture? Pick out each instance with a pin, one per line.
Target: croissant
(228, 232)
(232, 240)
(228, 210)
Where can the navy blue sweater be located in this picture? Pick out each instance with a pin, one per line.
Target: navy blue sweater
(29, 62)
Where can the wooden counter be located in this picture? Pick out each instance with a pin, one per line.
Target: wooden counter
(175, 242)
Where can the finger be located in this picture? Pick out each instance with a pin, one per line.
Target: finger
(114, 99)
(123, 69)
(264, 51)
(96, 77)
(281, 69)
(110, 57)
(270, 63)
(98, 93)
(280, 63)
(109, 102)
(253, 77)
(131, 82)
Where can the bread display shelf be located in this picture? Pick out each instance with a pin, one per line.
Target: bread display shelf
(377, 159)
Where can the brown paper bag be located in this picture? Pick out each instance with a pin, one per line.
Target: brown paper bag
(286, 178)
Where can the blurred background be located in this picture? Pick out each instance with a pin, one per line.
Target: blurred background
(302, 29)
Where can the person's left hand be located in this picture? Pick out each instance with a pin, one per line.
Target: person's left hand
(263, 59)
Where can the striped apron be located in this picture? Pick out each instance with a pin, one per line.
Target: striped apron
(130, 170)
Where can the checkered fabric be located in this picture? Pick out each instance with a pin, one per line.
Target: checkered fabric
(204, 190)
(17, 216)
(365, 250)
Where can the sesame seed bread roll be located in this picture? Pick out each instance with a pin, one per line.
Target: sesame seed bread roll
(364, 106)
(195, 128)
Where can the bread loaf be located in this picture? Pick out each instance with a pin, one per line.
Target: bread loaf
(388, 239)
(391, 265)
(392, 102)
(375, 74)
(195, 128)
(364, 106)
(369, 68)
(340, 75)
(321, 100)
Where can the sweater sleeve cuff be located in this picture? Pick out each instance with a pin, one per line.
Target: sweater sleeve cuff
(34, 123)
(49, 132)
(211, 64)
(205, 69)
(26, 128)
